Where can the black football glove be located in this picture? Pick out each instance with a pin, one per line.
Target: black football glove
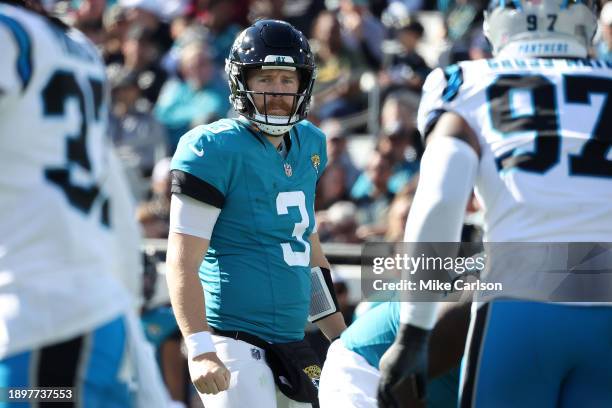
(403, 370)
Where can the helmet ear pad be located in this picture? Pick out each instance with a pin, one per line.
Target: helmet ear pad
(272, 44)
(237, 84)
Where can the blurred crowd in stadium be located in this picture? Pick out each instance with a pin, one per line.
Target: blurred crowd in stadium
(165, 62)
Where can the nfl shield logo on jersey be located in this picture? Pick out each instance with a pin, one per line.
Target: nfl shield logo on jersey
(288, 170)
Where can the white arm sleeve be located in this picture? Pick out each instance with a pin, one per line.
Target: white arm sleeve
(192, 217)
(447, 176)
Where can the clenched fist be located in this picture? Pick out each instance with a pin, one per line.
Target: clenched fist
(209, 374)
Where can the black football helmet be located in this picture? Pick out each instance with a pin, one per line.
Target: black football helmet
(274, 44)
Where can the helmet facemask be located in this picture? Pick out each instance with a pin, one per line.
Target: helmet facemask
(244, 100)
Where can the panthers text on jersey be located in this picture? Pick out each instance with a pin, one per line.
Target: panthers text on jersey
(545, 171)
(256, 273)
(58, 250)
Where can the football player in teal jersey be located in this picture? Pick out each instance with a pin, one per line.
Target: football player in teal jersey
(242, 231)
(351, 372)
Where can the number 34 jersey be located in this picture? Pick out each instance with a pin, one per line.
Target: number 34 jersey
(256, 272)
(57, 237)
(545, 131)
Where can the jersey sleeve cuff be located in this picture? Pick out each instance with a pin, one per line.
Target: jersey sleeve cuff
(196, 188)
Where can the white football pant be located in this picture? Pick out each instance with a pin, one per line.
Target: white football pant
(347, 380)
(252, 383)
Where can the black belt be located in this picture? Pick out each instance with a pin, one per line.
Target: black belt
(287, 362)
(240, 335)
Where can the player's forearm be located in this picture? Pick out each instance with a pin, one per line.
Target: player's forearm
(185, 289)
(187, 298)
(317, 257)
(332, 326)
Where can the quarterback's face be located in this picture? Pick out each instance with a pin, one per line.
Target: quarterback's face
(273, 81)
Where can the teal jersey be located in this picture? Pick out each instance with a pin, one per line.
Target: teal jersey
(256, 273)
(373, 333)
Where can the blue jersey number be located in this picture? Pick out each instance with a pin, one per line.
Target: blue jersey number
(297, 199)
(544, 120)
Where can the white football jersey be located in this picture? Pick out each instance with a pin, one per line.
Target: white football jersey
(58, 249)
(545, 131)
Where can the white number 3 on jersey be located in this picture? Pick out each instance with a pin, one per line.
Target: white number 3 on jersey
(285, 200)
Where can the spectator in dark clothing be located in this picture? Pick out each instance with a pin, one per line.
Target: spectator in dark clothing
(373, 204)
(140, 141)
(184, 31)
(116, 27)
(340, 173)
(86, 16)
(198, 9)
(396, 143)
(301, 13)
(407, 68)
(396, 218)
(151, 16)
(298, 13)
(154, 214)
(141, 54)
(332, 187)
(218, 18)
(338, 223)
(273, 9)
(364, 32)
(93, 29)
(336, 91)
(342, 293)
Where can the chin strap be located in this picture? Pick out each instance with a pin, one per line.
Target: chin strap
(269, 130)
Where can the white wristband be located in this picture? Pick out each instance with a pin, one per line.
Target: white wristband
(198, 344)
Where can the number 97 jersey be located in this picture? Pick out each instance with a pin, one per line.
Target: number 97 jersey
(256, 274)
(545, 132)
